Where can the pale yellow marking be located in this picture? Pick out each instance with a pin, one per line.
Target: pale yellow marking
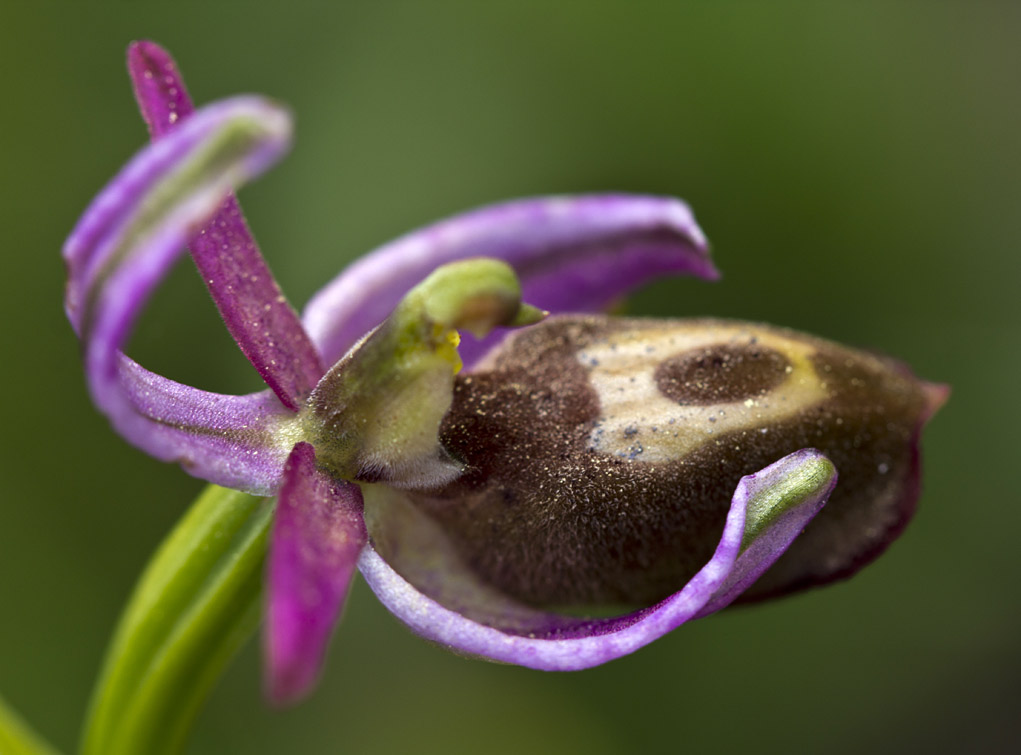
(286, 430)
(640, 423)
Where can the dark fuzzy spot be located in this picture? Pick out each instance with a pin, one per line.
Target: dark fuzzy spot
(550, 521)
(720, 374)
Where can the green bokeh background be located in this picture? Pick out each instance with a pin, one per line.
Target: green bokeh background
(857, 168)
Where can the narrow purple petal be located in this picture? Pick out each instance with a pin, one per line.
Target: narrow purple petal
(159, 88)
(573, 254)
(118, 253)
(251, 303)
(255, 311)
(449, 606)
(318, 533)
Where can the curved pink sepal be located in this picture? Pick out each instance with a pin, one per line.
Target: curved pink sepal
(251, 303)
(438, 606)
(572, 254)
(118, 253)
(318, 532)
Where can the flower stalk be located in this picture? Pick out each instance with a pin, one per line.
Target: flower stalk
(17, 738)
(196, 603)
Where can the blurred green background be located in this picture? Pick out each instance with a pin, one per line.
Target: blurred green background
(857, 167)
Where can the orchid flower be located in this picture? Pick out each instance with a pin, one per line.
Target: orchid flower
(556, 494)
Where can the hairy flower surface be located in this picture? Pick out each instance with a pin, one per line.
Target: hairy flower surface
(580, 467)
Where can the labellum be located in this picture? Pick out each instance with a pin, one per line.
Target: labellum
(601, 454)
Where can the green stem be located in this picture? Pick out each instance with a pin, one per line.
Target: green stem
(16, 738)
(194, 606)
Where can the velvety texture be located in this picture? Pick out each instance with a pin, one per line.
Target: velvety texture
(438, 598)
(603, 482)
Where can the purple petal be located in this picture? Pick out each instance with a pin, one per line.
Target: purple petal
(120, 250)
(251, 303)
(159, 88)
(449, 606)
(239, 442)
(573, 254)
(761, 551)
(318, 532)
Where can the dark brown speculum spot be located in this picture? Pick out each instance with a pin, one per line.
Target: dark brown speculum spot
(720, 373)
(602, 454)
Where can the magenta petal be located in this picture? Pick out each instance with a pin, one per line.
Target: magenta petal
(255, 311)
(118, 253)
(251, 303)
(449, 606)
(318, 533)
(158, 86)
(573, 254)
